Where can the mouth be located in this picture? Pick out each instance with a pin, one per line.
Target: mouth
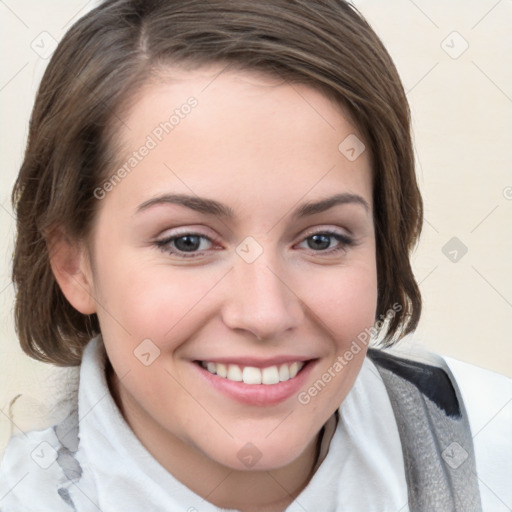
(253, 375)
(257, 384)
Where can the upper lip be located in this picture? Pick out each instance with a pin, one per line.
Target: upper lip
(257, 362)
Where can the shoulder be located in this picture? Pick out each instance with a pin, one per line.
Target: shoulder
(450, 383)
(482, 396)
(28, 472)
(488, 400)
(427, 372)
(40, 469)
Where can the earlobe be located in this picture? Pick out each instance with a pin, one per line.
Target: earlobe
(71, 268)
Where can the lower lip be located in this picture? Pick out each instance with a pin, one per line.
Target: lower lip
(258, 394)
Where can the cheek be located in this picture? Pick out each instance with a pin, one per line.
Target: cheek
(344, 304)
(345, 301)
(142, 299)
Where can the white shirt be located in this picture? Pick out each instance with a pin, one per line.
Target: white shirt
(362, 471)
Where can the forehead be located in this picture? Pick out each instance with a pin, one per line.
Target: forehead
(212, 131)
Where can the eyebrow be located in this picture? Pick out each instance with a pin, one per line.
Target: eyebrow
(211, 207)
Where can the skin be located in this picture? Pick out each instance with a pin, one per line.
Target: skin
(263, 148)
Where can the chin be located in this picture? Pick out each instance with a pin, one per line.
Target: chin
(261, 454)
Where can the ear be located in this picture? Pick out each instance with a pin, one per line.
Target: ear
(72, 270)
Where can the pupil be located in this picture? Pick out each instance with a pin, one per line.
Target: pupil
(319, 242)
(187, 243)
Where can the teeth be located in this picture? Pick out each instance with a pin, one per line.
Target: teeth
(294, 369)
(270, 375)
(222, 370)
(252, 375)
(234, 373)
(284, 372)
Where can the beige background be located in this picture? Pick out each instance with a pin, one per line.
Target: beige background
(454, 59)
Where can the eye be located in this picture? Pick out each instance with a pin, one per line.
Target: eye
(328, 242)
(191, 245)
(186, 245)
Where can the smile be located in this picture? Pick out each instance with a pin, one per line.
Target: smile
(252, 375)
(257, 383)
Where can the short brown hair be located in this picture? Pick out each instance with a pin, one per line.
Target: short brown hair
(114, 49)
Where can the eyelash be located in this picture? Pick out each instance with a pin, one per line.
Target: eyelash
(345, 242)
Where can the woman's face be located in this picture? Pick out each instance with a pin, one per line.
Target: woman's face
(238, 243)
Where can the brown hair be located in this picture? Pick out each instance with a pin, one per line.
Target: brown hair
(114, 49)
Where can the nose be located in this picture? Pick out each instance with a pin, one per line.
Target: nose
(261, 300)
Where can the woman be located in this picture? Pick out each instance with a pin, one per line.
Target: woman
(215, 215)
